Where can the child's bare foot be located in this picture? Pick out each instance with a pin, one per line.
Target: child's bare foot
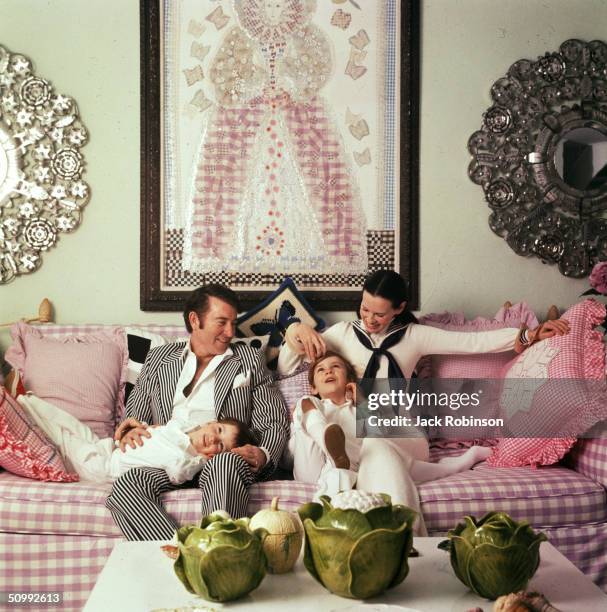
(335, 443)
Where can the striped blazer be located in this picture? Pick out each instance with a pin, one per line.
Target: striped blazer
(258, 404)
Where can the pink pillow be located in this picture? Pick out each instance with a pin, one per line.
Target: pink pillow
(578, 355)
(24, 448)
(485, 366)
(84, 375)
(293, 388)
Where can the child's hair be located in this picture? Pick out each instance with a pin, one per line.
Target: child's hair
(350, 371)
(245, 434)
(391, 286)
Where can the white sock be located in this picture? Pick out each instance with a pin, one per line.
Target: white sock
(423, 471)
(472, 456)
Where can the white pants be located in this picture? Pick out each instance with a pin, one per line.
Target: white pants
(385, 465)
(311, 464)
(82, 450)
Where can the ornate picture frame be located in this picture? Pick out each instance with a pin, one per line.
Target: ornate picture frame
(375, 143)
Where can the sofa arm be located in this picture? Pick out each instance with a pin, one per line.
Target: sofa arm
(589, 457)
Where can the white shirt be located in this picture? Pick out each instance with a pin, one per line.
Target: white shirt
(169, 449)
(419, 340)
(326, 413)
(199, 406)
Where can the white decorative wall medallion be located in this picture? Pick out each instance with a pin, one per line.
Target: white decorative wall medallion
(41, 188)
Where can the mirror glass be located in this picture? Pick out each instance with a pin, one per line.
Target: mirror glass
(9, 164)
(580, 159)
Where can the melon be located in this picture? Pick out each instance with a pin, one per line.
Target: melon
(282, 544)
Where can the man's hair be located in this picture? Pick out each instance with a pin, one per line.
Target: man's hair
(350, 371)
(198, 301)
(244, 434)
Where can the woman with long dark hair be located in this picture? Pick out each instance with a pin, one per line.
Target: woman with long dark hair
(386, 342)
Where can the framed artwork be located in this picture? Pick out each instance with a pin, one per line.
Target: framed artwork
(279, 139)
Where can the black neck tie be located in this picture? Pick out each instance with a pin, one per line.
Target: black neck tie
(372, 368)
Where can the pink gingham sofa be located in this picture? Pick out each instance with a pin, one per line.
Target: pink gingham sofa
(57, 536)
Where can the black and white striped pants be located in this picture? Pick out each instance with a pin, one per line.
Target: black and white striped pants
(135, 498)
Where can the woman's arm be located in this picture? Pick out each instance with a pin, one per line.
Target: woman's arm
(433, 341)
(303, 343)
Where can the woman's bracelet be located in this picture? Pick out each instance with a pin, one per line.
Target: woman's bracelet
(522, 340)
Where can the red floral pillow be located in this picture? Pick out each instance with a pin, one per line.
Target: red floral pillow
(24, 448)
(555, 395)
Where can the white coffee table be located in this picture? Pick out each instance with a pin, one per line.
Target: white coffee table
(138, 577)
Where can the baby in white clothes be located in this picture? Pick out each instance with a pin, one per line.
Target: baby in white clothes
(176, 448)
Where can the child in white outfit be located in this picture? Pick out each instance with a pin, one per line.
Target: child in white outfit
(323, 437)
(182, 454)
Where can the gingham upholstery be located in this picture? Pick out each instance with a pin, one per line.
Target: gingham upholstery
(57, 536)
(585, 547)
(62, 534)
(589, 457)
(546, 497)
(293, 388)
(78, 508)
(55, 330)
(68, 564)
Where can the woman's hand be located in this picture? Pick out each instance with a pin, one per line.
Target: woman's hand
(130, 432)
(305, 340)
(559, 327)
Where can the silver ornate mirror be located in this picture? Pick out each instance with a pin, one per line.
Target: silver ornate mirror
(41, 187)
(541, 157)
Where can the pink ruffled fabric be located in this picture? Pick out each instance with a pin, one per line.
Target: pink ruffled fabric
(471, 366)
(515, 316)
(580, 355)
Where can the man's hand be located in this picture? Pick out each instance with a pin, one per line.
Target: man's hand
(253, 455)
(130, 432)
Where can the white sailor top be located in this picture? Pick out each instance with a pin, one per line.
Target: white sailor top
(418, 340)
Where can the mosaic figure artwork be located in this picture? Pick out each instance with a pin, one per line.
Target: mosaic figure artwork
(41, 188)
(272, 191)
(280, 142)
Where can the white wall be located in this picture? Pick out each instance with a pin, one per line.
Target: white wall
(89, 49)
(466, 46)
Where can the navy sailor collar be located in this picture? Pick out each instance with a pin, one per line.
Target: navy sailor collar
(393, 327)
